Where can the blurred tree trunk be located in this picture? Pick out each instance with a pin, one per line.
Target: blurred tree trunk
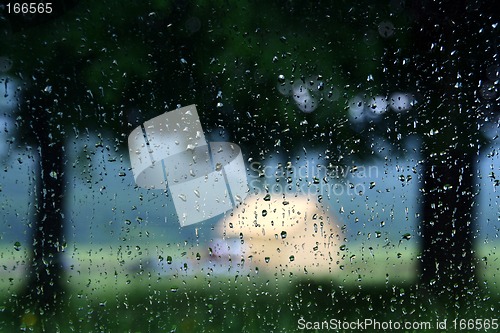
(448, 73)
(447, 267)
(44, 287)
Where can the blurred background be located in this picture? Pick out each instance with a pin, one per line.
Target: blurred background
(369, 132)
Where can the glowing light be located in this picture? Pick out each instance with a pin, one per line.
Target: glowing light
(357, 109)
(377, 105)
(303, 98)
(307, 93)
(400, 102)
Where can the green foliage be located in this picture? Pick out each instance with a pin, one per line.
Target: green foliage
(114, 64)
(244, 47)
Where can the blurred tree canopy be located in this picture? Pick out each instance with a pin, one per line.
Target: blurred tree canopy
(116, 63)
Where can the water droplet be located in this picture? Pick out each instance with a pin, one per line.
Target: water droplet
(239, 198)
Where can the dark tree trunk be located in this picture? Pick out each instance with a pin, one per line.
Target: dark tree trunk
(44, 289)
(448, 269)
(452, 48)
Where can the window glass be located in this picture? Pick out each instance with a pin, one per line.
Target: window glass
(206, 166)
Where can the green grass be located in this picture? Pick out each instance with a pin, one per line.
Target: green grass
(105, 295)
